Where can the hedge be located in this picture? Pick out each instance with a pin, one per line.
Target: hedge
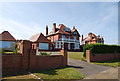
(101, 48)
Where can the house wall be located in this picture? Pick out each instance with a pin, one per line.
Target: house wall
(101, 57)
(57, 38)
(28, 61)
(92, 42)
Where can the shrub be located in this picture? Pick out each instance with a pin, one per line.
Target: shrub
(101, 48)
(43, 53)
(15, 51)
(2, 51)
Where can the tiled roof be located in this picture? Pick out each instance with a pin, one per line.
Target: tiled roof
(61, 29)
(39, 38)
(6, 36)
(94, 37)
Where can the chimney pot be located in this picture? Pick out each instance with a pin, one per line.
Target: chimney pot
(73, 27)
(46, 29)
(82, 37)
(54, 27)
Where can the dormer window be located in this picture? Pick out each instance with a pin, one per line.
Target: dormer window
(67, 29)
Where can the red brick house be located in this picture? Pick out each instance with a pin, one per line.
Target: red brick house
(7, 41)
(40, 42)
(62, 34)
(92, 39)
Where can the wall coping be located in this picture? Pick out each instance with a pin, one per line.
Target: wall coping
(9, 54)
(48, 55)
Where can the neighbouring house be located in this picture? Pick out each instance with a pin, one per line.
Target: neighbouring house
(92, 39)
(62, 34)
(40, 42)
(7, 41)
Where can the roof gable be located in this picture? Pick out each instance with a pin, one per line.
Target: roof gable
(6, 36)
(75, 33)
(39, 38)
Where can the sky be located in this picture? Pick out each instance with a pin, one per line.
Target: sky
(24, 19)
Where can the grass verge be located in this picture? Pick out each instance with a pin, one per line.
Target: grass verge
(62, 73)
(112, 63)
(19, 76)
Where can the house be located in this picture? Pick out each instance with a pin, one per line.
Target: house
(40, 42)
(7, 41)
(92, 39)
(62, 34)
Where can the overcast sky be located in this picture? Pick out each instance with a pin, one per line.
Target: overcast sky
(24, 19)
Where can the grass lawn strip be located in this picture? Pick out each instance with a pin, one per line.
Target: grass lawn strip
(112, 63)
(63, 73)
(75, 55)
(27, 76)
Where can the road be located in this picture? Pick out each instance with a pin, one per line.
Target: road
(92, 71)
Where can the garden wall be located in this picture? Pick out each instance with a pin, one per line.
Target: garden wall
(101, 57)
(28, 61)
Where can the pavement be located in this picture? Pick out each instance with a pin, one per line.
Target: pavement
(93, 71)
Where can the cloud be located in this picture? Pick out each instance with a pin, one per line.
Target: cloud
(18, 29)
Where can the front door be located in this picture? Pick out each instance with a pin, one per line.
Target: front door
(72, 46)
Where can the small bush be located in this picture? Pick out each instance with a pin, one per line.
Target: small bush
(15, 51)
(2, 51)
(101, 48)
(43, 53)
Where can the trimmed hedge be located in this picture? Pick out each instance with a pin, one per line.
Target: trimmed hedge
(101, 48)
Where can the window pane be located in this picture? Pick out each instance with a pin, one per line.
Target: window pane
(44, 46)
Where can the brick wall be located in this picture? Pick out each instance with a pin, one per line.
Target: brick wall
(28, 61)
(100, 57)
(14, 63)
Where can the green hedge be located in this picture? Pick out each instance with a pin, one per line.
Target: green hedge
(101, 48)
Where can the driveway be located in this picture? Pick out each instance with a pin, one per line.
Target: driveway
(91, 71)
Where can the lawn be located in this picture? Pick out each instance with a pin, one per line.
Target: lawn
(24, 75)
(112, 63)
(75, 55)
(61, 73)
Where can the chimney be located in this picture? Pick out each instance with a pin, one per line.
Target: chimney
(73, 27)
(82, 37)
(46, 29)
(90, 36)
(54, 27)
(98, 35)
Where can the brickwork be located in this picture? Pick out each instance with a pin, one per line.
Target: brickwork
(100, 57)
(28, 61)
